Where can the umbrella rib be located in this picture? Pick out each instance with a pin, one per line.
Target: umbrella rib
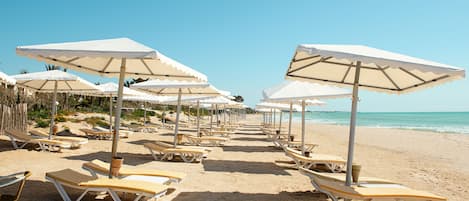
(146, 66)
(353, 65)
(42, 85)
(63, 63)
(302, 59)
(362, 85)
(310, 64)
(346, 73)
(413, 75)
(73, 59)
(389, 78)
(70, 87)
(426, 82)
(107, 64)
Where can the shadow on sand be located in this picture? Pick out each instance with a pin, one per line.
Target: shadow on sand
(251, 149)
(243, 167)
(129, 158)
(235, 196)
(250, 139)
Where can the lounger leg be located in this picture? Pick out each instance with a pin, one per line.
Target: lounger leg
(61, 190)
(82, 195)
(333, 198)
(114, 195)
(153, 154)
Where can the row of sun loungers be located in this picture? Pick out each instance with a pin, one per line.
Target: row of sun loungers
(17, 137)
(327, 174)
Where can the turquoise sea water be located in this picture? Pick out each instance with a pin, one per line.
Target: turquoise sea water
(445, 122)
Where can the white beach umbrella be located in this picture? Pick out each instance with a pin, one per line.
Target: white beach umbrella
(111, 58)
(4, 78)
(54, 81)
(171, 87)
(110, 90)
(369, 68)
(305, 93)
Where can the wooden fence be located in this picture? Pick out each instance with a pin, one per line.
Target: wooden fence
(13, 117)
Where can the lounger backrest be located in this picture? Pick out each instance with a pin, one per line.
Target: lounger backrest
(19, 135)
(39, 133)
(154, 146)
(163, 144)
(97, 166)
(69, 177)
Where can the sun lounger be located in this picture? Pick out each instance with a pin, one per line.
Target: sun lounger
(96, 167)
(206, 140)
(169, 145)
(122, 133)
(76, 142)
(366, 190)
(44, 144)
(296, 145)
(160, 152)
(223, 133)
(330, 162)
(96, 134)
(11, 180)
(74, 179)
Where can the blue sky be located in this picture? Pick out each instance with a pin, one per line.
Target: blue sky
(245, 46)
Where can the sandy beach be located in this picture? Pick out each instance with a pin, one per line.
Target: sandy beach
(250, 168)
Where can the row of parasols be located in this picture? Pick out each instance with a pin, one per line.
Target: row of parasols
(122, 58)
(316, 71)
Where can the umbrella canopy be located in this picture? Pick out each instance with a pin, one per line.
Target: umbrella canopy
(111, 58)
(379, 70)
(290, 90)
(111, 89)
(279, 106)
(370, 68)
(172, 87)
(104, 57)
(45, 82)
(4, 78)
(54, 81)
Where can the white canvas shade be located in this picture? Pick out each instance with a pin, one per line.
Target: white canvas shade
(4, 78)
(111, 57)
(170, 87)
(304, 93)
(368, 68)
(54, 81)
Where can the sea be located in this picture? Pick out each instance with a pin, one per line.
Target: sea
(443, 122)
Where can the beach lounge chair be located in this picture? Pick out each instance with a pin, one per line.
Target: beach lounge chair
(77, 180)
(206, 140)
(331, 163)
(222, 133)
(169, 145)
(96, 167)
(101, 135)
(188, 155)
(44, 144)
(296, 145)
(122, 133)
(12, 179)
(76, 142)
(371, 190)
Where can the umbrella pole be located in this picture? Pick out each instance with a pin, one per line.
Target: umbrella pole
(54, 110)
(303, 104)
(144, 115)
(289, 121)
(224, 114)
(198, 118)
(217, 111)
(275, 112)
(211, 118)
(353, 121)
(178, 110)
(117, 121)
(110, 113)
(280, 123)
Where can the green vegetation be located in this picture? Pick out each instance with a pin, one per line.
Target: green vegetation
(42, 123)
(96, 121)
